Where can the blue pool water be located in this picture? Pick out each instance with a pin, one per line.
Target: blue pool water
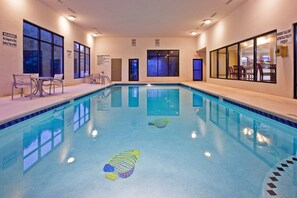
(190, 145)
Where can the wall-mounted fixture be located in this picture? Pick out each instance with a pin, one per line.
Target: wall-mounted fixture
(281, 51)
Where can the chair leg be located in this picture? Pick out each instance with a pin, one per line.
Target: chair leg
(31, 94)
(12, 93)
(62, 88)
(22, 92)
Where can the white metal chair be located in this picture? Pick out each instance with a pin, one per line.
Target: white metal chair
(57, 81)
(95, 78)
(22, 81)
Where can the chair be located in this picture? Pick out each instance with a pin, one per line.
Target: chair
(268, 70)
(22, 81)
(95, 78)
(57, 81)
(232, 73)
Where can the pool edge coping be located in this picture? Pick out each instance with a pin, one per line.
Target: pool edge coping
(37, 111)
(264, 112)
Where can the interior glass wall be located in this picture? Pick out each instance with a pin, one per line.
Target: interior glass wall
(250, 60)
(266, 58)
(246, 58)
(222, 63)
(213, 64)
(233, 62)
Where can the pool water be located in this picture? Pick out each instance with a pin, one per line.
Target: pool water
(144, 141)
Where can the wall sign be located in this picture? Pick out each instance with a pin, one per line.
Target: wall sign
(9, 39)
(284, 37)
(103, 60)
(69, 52)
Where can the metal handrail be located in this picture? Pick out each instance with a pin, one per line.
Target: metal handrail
(107, 78)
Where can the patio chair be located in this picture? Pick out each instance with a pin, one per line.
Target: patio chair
(57, 81)
(95, 78)
(22, 81)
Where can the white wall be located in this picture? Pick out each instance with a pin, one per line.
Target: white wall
(121, 48)
(12, 14)
(253, 18)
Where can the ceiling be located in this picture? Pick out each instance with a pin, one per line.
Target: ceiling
(144, 18)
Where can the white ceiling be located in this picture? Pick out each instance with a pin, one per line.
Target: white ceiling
(144, 18)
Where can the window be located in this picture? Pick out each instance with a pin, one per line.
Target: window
(233, 62)
(246, 58)
(133, 69)
(222, 63)
(250, 60)
(162, 63)
(43, 51)
(214, 61)
(81, 114)
(266, 58)
(81, 60)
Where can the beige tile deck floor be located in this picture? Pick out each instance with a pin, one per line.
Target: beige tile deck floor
(282, 107)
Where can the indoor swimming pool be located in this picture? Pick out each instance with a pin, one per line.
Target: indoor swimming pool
(142, 141)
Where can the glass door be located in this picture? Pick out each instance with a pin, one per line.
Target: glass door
(197, 69)
(133, 69)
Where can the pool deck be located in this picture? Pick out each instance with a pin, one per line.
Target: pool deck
(19, 107)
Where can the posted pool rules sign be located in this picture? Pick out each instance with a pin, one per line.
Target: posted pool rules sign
(9, 39)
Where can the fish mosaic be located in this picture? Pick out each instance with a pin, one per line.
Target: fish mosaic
(159, 123)
(121, 165)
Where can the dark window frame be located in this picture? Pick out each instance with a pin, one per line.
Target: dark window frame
(168, 65)
(254, 38)
(129, 70)
(40, 41)
(199, 59)
(295, 59)
(86, 56)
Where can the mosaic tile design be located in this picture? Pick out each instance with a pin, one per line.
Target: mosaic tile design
(280, 180)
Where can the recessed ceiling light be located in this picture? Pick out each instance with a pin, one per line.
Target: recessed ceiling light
(71, 17)
(95, 34)
(194, 33)
(207, 21)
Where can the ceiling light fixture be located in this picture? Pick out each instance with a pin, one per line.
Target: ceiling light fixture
(71, 17)
(95, 34)
(194, 33)
(207, 21)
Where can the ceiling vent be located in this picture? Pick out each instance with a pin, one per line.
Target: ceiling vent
(228, 2)
(133, 42)
(214, 14)
(71, 10)
(157, 42)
